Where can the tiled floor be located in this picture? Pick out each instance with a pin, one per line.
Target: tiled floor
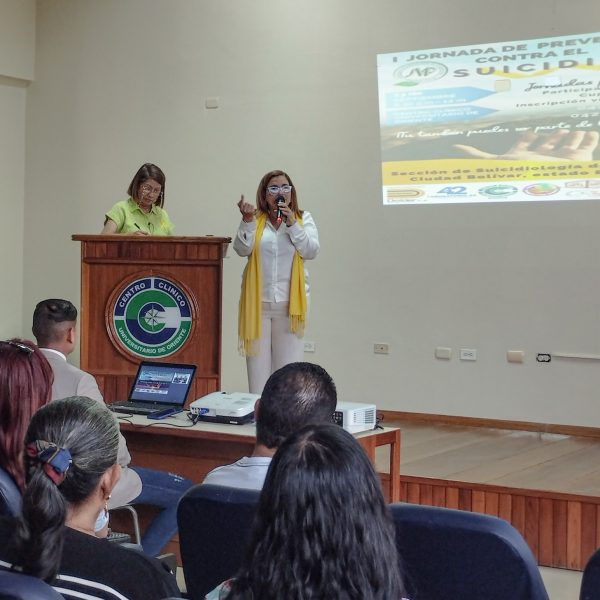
(561, 584)
(181, 580)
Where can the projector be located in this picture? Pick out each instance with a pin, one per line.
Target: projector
(236, 408)
(355, 417)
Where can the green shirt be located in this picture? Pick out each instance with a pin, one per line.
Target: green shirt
(130, 218)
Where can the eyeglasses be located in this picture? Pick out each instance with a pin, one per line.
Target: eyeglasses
(276, 189)
(22, 347)
(146, 189)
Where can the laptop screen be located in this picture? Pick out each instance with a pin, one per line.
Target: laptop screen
(162, 383)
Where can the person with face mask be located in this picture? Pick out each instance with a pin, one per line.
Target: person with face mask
(70, 461)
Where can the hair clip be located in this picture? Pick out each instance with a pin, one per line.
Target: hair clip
(55, 461)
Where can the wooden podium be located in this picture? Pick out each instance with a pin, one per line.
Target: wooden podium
(150, 298)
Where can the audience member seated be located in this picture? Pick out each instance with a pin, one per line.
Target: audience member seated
(55, 329)
(25, 386)
(296, 395)
(322, 528)
(71, 465)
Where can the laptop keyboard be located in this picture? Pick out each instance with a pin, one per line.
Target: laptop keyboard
(134, 408)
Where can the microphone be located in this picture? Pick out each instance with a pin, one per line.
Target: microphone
(280, 200)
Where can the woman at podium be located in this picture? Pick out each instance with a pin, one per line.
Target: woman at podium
(277, 237)
(142, 213)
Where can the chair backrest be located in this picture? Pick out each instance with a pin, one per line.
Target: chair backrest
(214, 527)
(590, 582)
(16, 586)
(10, 495)
(459, 555)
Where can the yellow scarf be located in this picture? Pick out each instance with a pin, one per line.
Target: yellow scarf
(249, 323)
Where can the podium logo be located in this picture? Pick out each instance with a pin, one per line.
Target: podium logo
(151, 317)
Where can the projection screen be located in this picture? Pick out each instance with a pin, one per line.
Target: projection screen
(499, 122)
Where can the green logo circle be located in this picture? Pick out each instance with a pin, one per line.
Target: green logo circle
(152, 317)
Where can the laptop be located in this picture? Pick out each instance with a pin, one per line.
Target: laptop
(157, 387)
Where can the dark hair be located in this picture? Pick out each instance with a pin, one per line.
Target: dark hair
(322, 528)
(145, 172)
(25, 385)
(48, 317)
(296, 395)
(261, 192)
(89, 431)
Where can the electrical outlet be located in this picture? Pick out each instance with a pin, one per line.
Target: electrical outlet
(381, 348)
(310, 347)
(212, 102)
(515, 356)
(468, 354)
(443, 352)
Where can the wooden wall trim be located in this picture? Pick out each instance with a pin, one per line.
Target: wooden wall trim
(498, 489)
(562, 533)
(578, 430)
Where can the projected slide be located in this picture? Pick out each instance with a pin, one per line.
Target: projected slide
(499, 122)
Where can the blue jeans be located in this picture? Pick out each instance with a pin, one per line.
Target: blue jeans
(164, 490)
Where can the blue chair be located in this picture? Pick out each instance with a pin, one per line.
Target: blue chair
(458, 555)
(10, 495)
(590, 581)
(214, 527)
(16, 586)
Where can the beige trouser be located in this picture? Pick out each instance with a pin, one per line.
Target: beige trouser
(278, 346)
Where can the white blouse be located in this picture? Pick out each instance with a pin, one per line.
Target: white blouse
(277, 248)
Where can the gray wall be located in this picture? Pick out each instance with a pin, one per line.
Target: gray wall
(17, 49)
(122, 82)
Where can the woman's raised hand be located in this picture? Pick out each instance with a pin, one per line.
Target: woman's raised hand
(246, 209)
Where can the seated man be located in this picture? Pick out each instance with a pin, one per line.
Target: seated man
(296, 395)
(55, 329)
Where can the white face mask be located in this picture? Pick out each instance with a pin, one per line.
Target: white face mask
(102, 520)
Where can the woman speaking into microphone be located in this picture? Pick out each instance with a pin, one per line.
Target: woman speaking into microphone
(277, 237)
